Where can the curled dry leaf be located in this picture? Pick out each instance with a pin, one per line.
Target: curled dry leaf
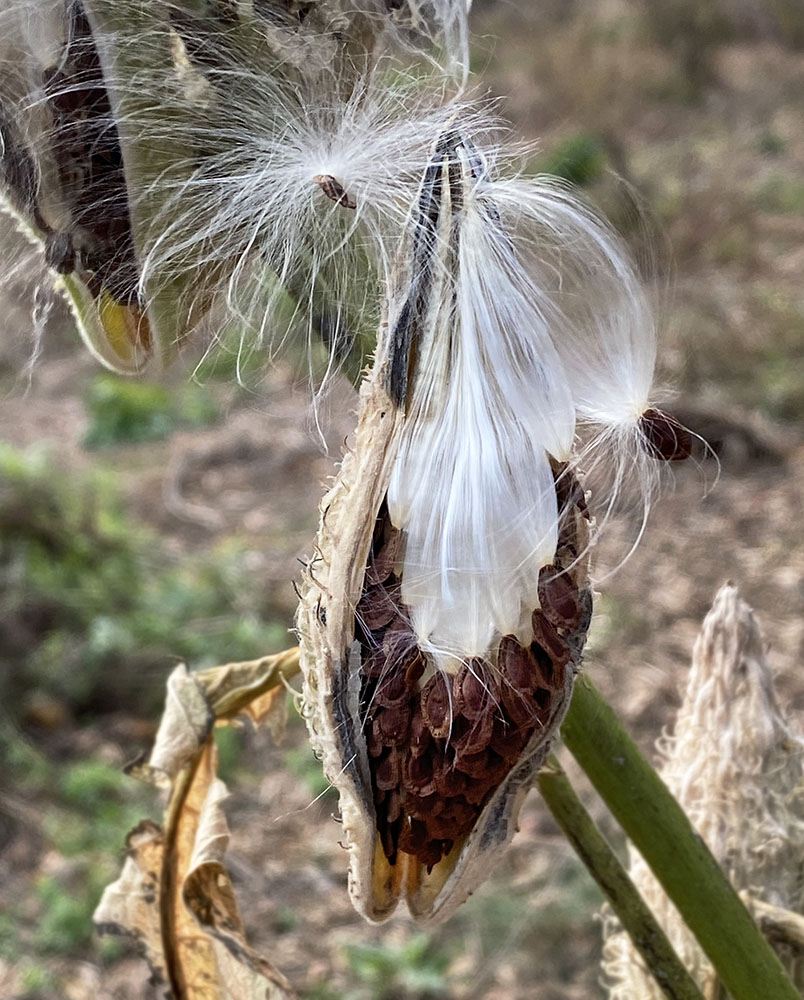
(174, 895)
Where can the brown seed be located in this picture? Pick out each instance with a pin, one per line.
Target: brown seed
(547, 638)
(420, 736)
(373, 661)
(392, 691)
(558, 597)
(550, 673)
(423, 806)
(516, 665)
(476, 765)
(417, 775)
(414, 671)
(449, 782)
(476, 736)
(387, 771)
(509, 740)
(443, 828)
(520, 675)
(413, 838)
(569, 491)
(477, 791)
(392, 725)
(381, 565)
(663, 437)
(520, 706)
(461, 812)
(374, 741)
(399, 641)
(436, 705)
(376, 608)
(333, 189)
(474, 693)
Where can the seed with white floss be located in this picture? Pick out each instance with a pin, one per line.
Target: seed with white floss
(472, 488)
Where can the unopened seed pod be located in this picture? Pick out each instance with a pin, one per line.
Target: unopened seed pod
(431, 727)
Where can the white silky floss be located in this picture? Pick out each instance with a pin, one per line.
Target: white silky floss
(535, 319)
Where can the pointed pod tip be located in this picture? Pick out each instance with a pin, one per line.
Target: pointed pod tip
(663, 437)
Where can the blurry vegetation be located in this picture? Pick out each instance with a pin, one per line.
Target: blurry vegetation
(302, 762)
(782, 195)
(579, 159)
(91, 806)
(231, 360)
(93, 611)
(123, 411)
(549, 905)
(692, 31)
(413, 969)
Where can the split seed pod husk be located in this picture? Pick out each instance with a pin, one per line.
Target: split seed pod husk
(432, 756)
(340, 697)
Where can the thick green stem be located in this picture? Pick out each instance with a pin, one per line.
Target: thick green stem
(605, 868)
(659, 829)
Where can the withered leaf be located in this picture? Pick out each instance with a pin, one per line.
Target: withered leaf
(174, 895)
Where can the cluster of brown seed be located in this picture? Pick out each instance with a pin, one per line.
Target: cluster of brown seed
(87, 151)
(439, 743)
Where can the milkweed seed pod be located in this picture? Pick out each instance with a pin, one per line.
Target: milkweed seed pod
(76, 176)
(446, 608)
(736, 766)
(120, 122)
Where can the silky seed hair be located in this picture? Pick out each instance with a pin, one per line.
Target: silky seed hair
(293, 169)
(522, 281)
(309, 197)
(235, 73)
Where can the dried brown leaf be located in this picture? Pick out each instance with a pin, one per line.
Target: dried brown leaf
(186, 723)
(253, 688)
(174, 895)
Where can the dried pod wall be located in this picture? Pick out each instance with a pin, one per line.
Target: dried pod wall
(432, 734)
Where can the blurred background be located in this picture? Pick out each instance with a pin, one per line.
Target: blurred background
(142, 523)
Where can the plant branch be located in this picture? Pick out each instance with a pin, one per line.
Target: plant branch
(678, 857)
(605, 868)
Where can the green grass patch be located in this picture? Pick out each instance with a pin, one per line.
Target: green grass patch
(93, 611)
(580, 159)
(781, 195)
(413, 969)
(122, 411)
(65, 921)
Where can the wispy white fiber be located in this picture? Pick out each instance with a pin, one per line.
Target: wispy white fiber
(603, 329)
(472, 488)
(536, 324)
(258, 212)
(256, 102)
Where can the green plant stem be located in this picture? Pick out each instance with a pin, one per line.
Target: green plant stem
(605, 868)
(659, 829)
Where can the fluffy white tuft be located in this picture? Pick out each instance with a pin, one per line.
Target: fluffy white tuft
(472, 488)
(227, 114)
(296, 209)
(535, 323)
(602, 327)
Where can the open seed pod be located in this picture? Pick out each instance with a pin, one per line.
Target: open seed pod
(79, 165)
(430, 728)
